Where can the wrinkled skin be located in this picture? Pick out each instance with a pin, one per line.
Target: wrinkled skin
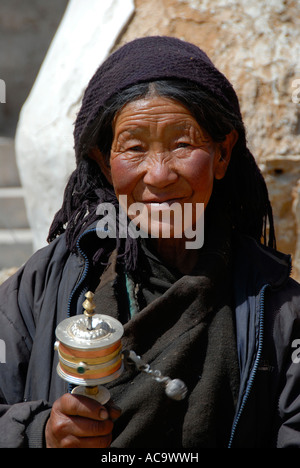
(161, 155)
(80, 422)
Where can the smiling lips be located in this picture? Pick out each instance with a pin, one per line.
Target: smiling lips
(161, 204)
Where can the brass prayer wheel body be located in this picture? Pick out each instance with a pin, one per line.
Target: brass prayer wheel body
(89, 348)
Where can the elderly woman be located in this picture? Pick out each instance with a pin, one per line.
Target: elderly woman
(159, 125)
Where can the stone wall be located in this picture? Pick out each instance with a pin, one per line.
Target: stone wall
(256, 44)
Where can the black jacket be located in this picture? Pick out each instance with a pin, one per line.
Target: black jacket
(51, 286)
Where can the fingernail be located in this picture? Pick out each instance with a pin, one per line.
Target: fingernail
(103, 414)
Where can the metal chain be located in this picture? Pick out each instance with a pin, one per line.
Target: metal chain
(175, 389)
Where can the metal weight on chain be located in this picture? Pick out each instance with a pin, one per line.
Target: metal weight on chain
(175, 389)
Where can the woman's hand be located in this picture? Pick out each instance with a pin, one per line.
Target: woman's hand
(79, 422)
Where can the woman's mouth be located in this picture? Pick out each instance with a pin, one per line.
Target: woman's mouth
(163, 204)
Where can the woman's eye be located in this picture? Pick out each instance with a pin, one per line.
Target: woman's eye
(182, 144)
(136, 148)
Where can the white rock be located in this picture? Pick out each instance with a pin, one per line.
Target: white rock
(44, 137)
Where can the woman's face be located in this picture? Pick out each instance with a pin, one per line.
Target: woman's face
(160, 155)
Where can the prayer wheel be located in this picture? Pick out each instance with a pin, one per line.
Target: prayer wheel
(90, 354)
(90, 351)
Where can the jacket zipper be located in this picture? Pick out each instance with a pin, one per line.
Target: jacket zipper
(81, 280)
(85, 270)
(255, 366)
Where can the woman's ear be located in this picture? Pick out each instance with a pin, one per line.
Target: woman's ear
(223, 154)
(97, 156)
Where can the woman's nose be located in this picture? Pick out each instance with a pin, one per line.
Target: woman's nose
(160, 173)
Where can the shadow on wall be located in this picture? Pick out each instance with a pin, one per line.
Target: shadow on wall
(26, 31)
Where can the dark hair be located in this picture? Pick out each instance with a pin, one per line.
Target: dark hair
(243, 188)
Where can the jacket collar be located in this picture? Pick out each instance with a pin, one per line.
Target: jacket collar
(263, 264)
(251, 259)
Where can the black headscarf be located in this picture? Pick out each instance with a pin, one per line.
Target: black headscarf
(148, 59)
